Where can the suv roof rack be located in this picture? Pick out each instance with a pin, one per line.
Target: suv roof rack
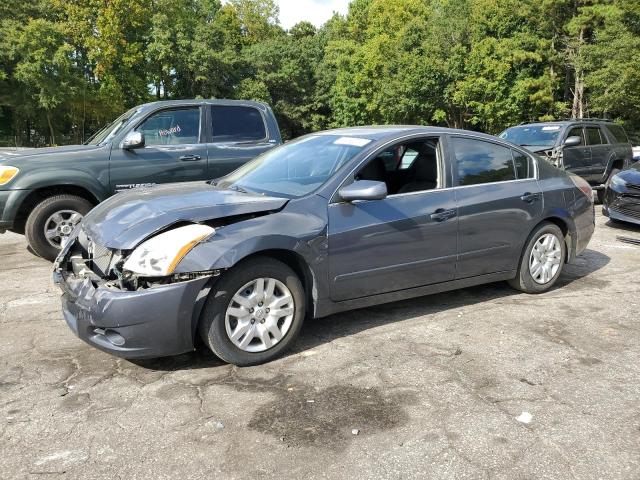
(591, 120)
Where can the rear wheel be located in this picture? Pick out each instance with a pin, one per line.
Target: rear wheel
(52, 221)
(254, 313)
(603, 191)
(542, 260)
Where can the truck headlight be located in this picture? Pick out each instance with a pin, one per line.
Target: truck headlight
(7, 173)
(159, 256)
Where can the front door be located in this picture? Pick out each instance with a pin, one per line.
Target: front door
(499, 203)
(577, 159)
(239, 134)
(173, 151)
(405, 240)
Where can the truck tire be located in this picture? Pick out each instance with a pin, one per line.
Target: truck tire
(603, 191)
(53, 219)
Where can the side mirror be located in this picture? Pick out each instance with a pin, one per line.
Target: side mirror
(573, 141)
(133, 140)
(363, 190)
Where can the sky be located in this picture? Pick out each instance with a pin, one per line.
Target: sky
(314, 11)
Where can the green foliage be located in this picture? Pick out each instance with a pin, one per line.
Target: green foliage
(69, 66)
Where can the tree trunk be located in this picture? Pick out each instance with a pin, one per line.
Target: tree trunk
(577, 110)
(51, 133)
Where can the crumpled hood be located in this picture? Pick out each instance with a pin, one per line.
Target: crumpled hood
(128, 218)
(537, 149)
(34, 153)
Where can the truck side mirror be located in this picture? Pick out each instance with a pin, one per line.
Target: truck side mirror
(573, 141)
(133, 140)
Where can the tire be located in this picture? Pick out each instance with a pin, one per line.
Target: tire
(524, 280)
(34, 229)
(216, 328)
(602, 192)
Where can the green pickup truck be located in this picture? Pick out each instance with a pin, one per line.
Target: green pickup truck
(45, 192)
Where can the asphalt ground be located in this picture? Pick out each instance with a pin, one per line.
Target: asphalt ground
(435, 387)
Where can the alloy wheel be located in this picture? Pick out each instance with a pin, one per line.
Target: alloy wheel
(259, 315)
(545, 258)
(59, 226)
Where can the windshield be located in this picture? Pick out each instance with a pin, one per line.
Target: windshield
(532, 136)
(108, 132)
(296, 168)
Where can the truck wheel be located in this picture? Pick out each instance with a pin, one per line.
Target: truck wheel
(602, 192)
(254, 313)
(51, 221)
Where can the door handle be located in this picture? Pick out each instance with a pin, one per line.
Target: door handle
(530, 197)
(190, 158)
(440, 215)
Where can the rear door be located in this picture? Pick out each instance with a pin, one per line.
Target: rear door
(173, 151)
(499, 203)
(238, 134)
(601, 151)
(577, 159)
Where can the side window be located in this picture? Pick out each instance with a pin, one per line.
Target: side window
(576, 132)
(594, 136)
(482, 162)
(172, 127)
(524, 167)
(618, 133)
(405, 167)
(237, 124)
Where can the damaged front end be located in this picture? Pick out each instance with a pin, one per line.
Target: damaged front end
(130, 302)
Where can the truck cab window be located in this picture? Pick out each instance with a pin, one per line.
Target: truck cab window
(172, 127)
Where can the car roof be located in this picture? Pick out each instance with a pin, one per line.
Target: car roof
(562, 123)
(200, 101)
(383, 132)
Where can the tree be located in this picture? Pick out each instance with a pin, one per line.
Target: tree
(45, 69)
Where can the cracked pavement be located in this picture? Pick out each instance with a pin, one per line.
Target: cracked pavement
(433, 387)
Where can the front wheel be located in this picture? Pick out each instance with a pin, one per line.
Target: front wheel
(542, 260)
(254, 313)
(52, 221)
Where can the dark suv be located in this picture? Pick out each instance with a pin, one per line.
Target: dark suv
(45, 192)
(592, 148)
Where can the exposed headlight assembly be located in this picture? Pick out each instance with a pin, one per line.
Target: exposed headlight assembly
(7, 173)
(159, 256)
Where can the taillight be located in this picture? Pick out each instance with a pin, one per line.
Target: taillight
(582, 184)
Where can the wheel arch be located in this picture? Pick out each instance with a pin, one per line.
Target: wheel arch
(39, 194)
(562, 224)
(298, 264)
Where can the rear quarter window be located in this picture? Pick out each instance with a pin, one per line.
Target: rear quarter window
(618, 133)
(523, 164)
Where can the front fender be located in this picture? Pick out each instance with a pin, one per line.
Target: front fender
(55, 177)
(232, 243)
(299, 229)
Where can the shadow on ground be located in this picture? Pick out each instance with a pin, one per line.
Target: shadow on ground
(323, 330)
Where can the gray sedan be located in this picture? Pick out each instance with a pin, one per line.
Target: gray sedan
(333, 221)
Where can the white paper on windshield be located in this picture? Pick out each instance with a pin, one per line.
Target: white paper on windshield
(352, 141)
(552, 128)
